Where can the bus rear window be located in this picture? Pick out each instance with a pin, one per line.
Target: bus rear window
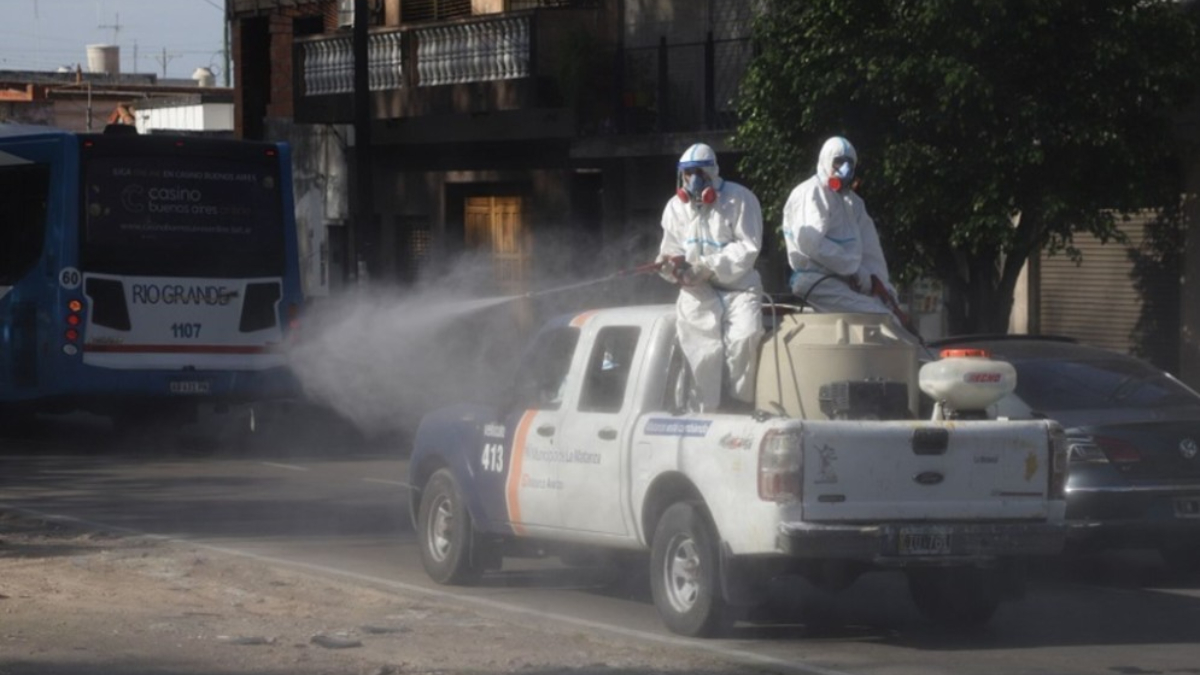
(23, 192)
(188, 215)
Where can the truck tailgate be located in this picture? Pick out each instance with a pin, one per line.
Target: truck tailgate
(941, 471)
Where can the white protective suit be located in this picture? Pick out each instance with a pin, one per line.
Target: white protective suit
(828, 232)
(719, 313)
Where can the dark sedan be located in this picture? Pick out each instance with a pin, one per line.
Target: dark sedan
(1133, 437)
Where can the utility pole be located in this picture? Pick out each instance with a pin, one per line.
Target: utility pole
(164, 60)
(228, 57)
(362, 253)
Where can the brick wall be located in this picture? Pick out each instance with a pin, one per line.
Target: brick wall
(279, 104)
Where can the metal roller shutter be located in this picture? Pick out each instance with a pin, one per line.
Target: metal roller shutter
(1123, 297)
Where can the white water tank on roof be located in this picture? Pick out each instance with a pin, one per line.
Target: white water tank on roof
(104, 59)
(204, 77)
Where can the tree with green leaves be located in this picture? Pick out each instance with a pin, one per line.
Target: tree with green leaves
(986, 130)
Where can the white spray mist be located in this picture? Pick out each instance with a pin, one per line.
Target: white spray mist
(382, 358)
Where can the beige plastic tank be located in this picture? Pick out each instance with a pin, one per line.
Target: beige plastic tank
(810, 350)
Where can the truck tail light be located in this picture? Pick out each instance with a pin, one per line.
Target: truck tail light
(781, 465)
(1058, 463)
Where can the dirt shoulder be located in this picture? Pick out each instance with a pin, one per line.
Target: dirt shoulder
(80, 602)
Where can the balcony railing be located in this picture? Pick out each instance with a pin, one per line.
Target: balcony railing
(476, 51)
(671, 86)
(479, 50)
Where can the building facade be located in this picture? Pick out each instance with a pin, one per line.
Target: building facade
(537, 139)
(537, 136)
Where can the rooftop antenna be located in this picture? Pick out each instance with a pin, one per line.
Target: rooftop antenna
(115, 26)
(37, 28)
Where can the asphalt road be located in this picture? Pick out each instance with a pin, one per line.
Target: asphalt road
(340, 508)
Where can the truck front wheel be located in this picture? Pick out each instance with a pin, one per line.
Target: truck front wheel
(684, 577)
(956, 597)
(444, 532)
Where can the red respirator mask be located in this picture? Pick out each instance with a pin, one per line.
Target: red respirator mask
(707, 196)
(843, 174)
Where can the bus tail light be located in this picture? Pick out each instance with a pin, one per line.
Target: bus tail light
(293, 316)
(781, 465)
(74, 321)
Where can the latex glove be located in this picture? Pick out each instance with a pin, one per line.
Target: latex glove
(862, 282)
(694, 275)
(669, 266)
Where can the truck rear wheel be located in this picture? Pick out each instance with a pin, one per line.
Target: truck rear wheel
(444, 532)
(956, 597)
(684, 574)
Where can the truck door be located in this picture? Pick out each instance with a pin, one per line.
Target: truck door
(592, 437)
(526, 475)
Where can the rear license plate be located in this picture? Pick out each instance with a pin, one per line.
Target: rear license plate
(1187, 507)
(924, 542)
(191, 387)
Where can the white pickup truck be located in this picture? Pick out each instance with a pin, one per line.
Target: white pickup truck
(834, 472)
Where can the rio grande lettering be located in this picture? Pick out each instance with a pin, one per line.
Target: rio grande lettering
(179, 294)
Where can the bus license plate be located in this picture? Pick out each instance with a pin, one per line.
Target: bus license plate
(1187, 507)
(924, 542)
(191, 387)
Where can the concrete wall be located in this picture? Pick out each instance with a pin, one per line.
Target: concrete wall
(321, 198)
(199, 117)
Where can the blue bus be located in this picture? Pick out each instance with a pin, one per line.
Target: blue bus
(144, 275)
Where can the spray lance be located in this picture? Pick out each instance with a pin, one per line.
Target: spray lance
(880, 291)
(648, 268)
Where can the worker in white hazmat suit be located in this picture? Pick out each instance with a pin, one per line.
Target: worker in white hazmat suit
(712, 233)
(833, 247)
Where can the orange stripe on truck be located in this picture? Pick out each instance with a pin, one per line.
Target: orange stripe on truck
(579, 319)
(513, 489)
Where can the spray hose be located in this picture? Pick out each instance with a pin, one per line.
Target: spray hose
(648, 268)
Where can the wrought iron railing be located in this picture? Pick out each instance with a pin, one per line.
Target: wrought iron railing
(682, 87)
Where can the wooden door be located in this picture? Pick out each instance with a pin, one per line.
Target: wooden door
(496, 225)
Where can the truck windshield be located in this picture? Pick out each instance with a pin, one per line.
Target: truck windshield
(543, 372)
